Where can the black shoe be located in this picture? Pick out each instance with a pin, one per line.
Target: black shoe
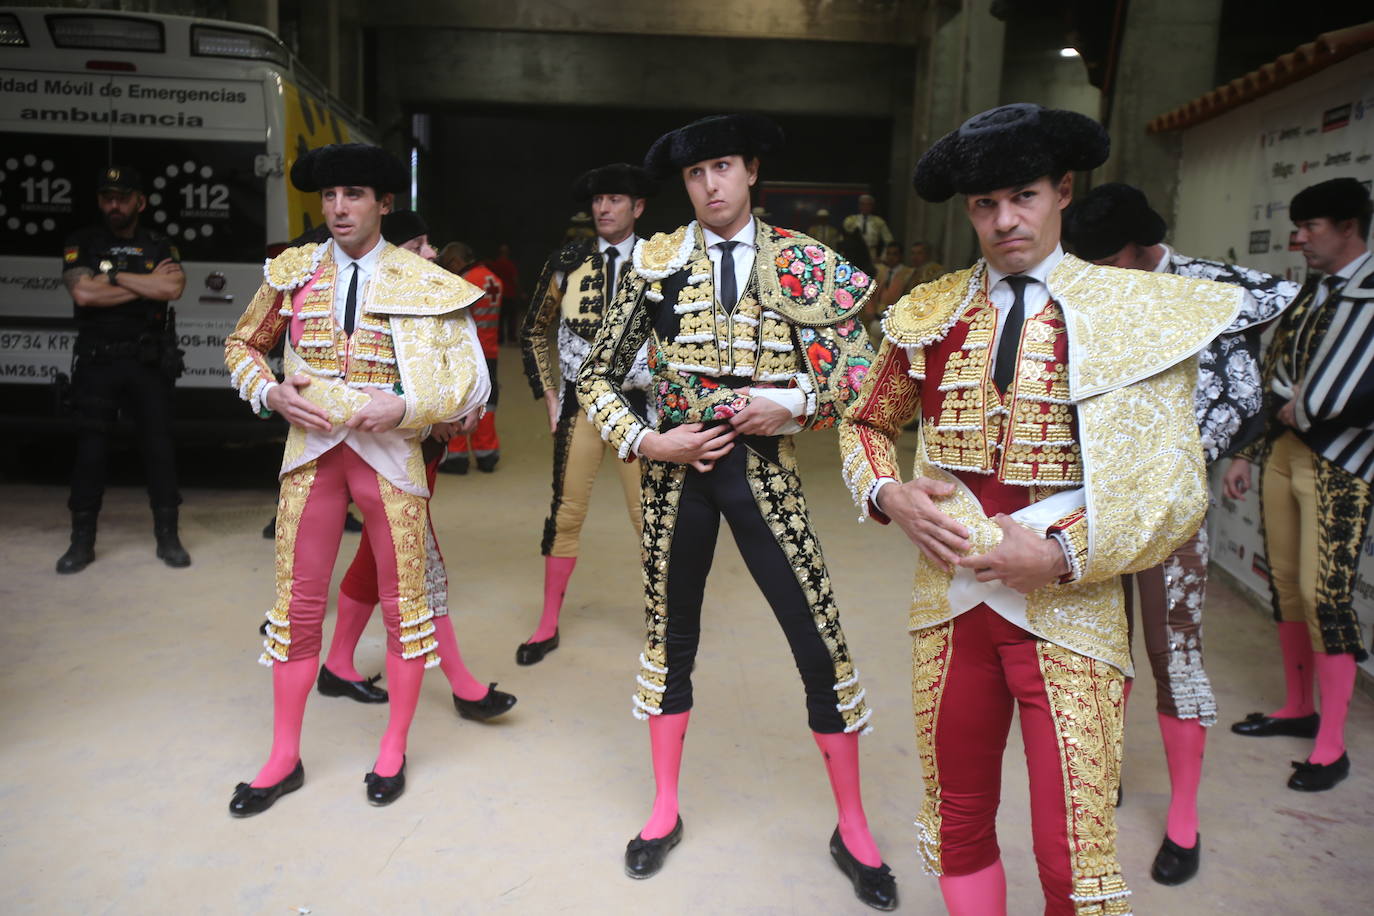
(487, 463)
(495, 703)
(1258, 725)
(81, 553)
(383, 790)
(454, 466)
(644, 858)
(1318, 777)
(169, 549)
(1175, 864)
(529, 653)
(351, 523)
(874, 886)
(364, 691)
(248, 801)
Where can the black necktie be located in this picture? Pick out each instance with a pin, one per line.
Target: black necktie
(611, 254)
(1334, 285)
(351, 303)
(1010, 339)
(728, 292)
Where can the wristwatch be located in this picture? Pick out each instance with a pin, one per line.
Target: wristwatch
(108, 269)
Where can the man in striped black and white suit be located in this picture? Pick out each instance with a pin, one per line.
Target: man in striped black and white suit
(1317, 462)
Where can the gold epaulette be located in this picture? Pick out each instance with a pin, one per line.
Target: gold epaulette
(666, 253)
(410, 285)
(293, 267)
(926, 314)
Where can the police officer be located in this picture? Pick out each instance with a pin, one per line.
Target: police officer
(121, 277)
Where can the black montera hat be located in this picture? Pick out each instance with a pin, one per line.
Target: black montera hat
(402, 226)
(616, 178)
(1337, 199)
(1007, 146)
(747, 135)
(349, 164)
(120, 178)
(1108, 218)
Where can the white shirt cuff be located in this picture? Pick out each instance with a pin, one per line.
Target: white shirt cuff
(873, 491)
(794, 399)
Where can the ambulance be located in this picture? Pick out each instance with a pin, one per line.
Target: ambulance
(212, 114)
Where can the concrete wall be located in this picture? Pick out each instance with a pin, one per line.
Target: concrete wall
(448, 67)
(1168, 56)
(871, 21)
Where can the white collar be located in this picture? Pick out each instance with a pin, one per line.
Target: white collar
(367, 263)
(628, 242)
(745, 236)
(1348, 270)
(1039, 272)
(1163, 266)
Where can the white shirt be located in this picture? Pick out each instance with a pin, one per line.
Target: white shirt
(623, 250)
(743, 254)
(343, 276)
(1035, 295)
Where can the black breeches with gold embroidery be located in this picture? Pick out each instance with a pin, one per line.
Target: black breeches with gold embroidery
(748, 489)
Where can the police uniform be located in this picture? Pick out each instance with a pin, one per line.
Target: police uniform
(125, 359)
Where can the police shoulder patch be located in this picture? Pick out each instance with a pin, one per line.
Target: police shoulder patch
(70, 254)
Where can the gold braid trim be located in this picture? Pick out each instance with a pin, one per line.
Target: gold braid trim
(778, 493)
(1085, 703)
(295, 492)
(931, 651)
(409, 524)
(662, 488)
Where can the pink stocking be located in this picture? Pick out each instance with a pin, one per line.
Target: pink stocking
(291, 682)
(1336, 676)
(403, 679)
(841, 752)
(557, 572)
(1296, 644)
(1184, 740)
(983, 893)
(460, 679)
(666, 737)
(350, 620)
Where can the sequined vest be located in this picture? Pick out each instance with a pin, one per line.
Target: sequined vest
(365, 360)
(1001, 445)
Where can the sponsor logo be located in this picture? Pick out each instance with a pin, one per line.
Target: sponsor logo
(1259, 241)
(1283, 169)
(1336, 118)
(1337, 158)
(1363, 157)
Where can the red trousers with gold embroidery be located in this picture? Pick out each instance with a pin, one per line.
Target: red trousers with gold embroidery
(969, 675)
(310, 518)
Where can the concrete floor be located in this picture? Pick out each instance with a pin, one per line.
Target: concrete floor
(131, 703)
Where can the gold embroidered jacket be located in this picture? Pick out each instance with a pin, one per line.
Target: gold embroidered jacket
(795, 326)
(412, 338)
(1101, 398)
